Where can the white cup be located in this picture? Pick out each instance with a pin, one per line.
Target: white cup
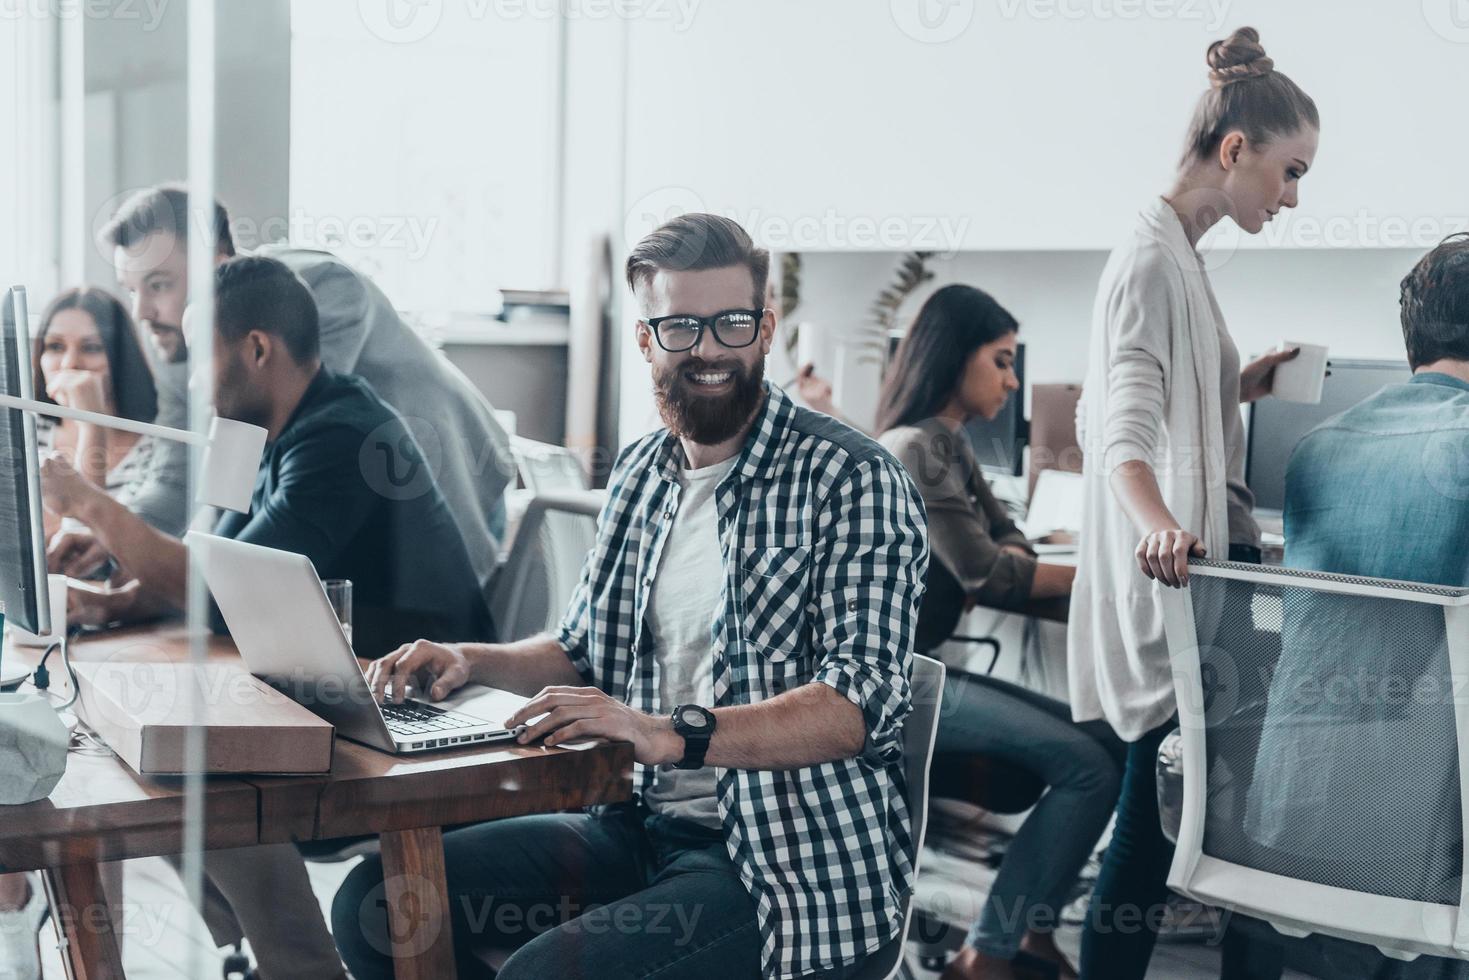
(1302, 378)
(56, 586)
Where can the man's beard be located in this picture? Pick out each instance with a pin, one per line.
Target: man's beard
(705, 419)
(167, 341)
(232, 396)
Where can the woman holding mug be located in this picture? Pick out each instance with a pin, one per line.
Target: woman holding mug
(1164, 451)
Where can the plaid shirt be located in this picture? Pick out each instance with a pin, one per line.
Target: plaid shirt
(825, 550)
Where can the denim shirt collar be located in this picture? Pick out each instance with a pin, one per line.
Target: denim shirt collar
(1439, 378)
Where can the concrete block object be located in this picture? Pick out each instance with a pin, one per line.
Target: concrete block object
(33, 743)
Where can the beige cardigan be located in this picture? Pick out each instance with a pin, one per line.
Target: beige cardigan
(1152, 393)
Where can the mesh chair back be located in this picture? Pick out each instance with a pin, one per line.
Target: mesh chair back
(556, 556)
(1321, 724)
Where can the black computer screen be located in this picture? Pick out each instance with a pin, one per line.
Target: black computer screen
(19, 589)
(1276, 426)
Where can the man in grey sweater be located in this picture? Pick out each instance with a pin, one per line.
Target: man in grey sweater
(467, 452)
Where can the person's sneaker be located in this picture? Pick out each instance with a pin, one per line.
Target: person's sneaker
(18, 929)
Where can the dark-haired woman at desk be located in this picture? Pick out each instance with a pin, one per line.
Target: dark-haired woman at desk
(87, 357)
(955, 364)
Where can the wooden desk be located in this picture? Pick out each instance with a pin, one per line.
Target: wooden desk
(103, 811)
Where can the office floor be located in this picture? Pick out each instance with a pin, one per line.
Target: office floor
(164, 936)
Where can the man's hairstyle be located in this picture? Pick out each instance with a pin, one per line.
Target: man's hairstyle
(253, 292)
(693, 242)
(1435, 304)
(162, 208)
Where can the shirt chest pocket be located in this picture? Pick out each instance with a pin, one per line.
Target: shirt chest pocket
(774, 585)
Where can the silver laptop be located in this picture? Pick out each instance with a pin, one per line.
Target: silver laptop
(277, 611)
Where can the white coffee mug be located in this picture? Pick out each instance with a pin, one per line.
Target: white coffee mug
(1302, 378)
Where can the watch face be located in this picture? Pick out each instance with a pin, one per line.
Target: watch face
(693, 717)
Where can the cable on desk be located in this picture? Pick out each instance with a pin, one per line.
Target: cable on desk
(41, 677)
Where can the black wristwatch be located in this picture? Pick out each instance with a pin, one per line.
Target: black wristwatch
(696, 725)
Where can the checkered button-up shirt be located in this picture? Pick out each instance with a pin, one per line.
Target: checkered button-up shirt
(825, 551)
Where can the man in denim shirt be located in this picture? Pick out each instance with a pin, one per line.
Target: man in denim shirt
(1381, 491)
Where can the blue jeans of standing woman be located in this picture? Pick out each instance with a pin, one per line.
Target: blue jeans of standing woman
(1080, 766)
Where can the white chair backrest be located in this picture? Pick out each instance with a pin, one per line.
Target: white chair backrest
(544, 467)
(1323, 732)
(920, 729)
(545, 562)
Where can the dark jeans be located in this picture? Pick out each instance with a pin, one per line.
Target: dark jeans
(1132, 887)
(1080, 764)
(620, 893)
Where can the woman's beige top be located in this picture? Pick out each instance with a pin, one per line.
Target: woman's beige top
(967, 526)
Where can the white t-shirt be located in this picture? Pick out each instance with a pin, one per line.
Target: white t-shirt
(682, 612)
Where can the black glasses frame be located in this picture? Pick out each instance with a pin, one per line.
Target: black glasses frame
(705, 323)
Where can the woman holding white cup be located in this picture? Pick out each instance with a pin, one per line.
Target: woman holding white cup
(1164, 453)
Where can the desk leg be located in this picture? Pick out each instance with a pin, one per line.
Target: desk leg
(84, 922)
(418, 904)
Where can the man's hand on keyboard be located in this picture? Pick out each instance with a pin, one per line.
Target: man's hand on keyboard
(440, 665)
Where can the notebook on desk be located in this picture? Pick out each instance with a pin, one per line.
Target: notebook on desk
(280, 619)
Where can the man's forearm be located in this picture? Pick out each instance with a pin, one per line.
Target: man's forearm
(160, 563)
(524, 667)
(803, 727)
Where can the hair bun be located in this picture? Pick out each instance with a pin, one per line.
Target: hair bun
(1237, 58)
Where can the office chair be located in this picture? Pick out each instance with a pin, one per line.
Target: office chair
(1321, 807)
(919, 730)
(988, 783)
(543, 466)
(550, 543)
(535, 582)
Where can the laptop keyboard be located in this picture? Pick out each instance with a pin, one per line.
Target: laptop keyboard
(419, 718)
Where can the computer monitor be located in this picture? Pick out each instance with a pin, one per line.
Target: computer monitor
(999, 443)
(1276, 426)
(22, 535)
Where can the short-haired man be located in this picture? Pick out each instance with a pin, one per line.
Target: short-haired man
(1381, 491)
(466, 451)
(745, 620)
(320, 493)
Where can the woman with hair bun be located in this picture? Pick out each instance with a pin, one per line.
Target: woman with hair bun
(1164, 455)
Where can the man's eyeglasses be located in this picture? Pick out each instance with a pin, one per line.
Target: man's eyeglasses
(681, 331)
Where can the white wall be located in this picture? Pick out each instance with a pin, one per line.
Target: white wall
(136, 77)
(1024, 134)
(1041, 124)
(429, 143)
(29, 140)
